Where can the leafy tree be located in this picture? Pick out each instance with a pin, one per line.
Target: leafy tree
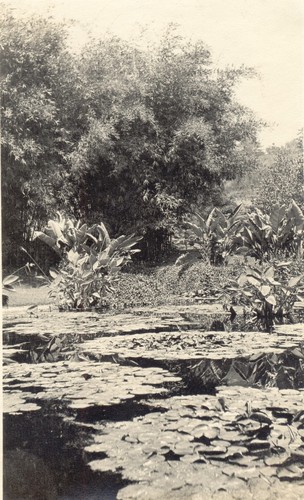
(130, 135)
(280, 176)
(37, 79)
(165, 131)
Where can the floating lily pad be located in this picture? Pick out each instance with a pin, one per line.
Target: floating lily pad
(108, 384)
(239, 443)
(290, 472)
(196, 344)
(15, 403)
(177, 436)
(277, 458)
(87, 324)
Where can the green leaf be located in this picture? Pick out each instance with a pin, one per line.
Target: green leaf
(103, 234)
(284, 264)
(187, 259)
(250, 239)
(271, 300)
(295, 281)
(48, 240)
(81, 234)
(53, 274)
(201, 222)
(55, 227)
(265, 290)
(232, 289)
(129, 241)
(269, 273)
(276, 217)
(9, 288)
(8, 280)
(242, 280)
(117, 262)
(210, 218)
(253, 281)
(273, 281)
(73, 256)
(244, 250)
(195, 229)
(235, 211)
(89, 235)
(296, 214)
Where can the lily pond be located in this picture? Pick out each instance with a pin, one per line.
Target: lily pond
(157, 403)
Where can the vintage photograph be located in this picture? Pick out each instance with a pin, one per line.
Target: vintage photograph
(152, 233)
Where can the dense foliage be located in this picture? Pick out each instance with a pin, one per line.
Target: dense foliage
(268, 296)
(213, 238)
(278, 234)
(281, 176)
(164, 130)
(37, 78)
(158, 285)
(131, 134)
(90, 261)
(250, 233)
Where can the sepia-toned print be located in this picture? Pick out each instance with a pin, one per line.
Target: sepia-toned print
(152, 249)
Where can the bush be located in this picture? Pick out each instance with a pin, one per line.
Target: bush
(279, 234)
(268, 292)
(281, 176)
(90, 262)
(141, 286)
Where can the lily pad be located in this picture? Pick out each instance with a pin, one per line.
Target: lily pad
(175, 437)
(290, 472)
(108, 384)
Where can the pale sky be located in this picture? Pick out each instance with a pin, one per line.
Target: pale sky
(266, 34)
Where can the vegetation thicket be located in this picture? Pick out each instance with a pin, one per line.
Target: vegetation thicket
(90, 261)
(281, 176)
(150, 140)
(129, 134)
(144, 137)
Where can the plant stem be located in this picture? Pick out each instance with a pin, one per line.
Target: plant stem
(17, 270)
(36, 264)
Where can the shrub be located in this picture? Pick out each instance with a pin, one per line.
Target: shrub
(256, 234)
(211, 238)
(280, 176)
(90, 262)
(162, 285)
(268, 296)
(279, 234)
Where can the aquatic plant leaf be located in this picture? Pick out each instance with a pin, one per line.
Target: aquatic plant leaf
(291, 471)
(271, 300)
(85, 384)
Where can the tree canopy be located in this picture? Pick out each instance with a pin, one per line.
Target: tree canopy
(37, 78)
(133, 134)
(280, 175)
(164, 130)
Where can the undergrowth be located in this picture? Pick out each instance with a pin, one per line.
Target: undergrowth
(153, 286)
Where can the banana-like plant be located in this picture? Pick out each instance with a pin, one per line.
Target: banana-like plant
(279, 234)
(268, 297)
(213, 236)
(90, 261)
(62, 233)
